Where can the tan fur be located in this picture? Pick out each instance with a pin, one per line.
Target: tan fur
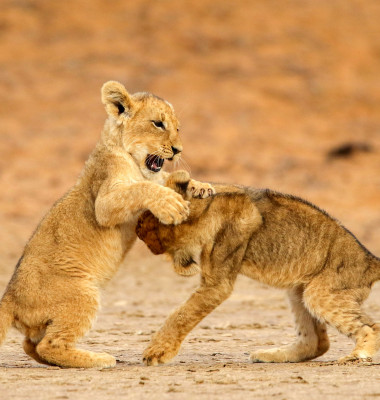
(277, 239)
(53, 295)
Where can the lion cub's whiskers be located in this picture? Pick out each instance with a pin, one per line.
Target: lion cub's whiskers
(185, 164)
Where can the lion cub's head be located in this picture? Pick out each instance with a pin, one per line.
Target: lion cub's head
(141, 124)
(162, 238)
(157, 236)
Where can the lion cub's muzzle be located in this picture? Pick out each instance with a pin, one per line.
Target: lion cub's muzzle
(155, 163)
(175, 152)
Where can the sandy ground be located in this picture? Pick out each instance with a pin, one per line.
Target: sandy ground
(264, 91)
(214, 360)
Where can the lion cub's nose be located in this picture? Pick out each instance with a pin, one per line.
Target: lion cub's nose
(175, 150)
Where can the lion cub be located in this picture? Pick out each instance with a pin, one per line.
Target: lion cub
(53, 295)
(277, 239)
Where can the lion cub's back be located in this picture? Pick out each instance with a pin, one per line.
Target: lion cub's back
(296, 241)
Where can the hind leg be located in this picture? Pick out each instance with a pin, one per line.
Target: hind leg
(30, 349)
(312, 340)
(57, 347)
(341, 309)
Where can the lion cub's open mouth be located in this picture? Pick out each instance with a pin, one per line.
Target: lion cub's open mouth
(154, 163)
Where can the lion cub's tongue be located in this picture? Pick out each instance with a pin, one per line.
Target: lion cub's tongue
(158, 163)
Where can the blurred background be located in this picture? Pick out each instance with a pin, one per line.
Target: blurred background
(279, 94)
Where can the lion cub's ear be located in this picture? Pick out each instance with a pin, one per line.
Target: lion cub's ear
(116, 99)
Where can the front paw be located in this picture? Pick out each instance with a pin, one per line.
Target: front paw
(354, 359)
(171, 208)
(200, 190)
(159, 353)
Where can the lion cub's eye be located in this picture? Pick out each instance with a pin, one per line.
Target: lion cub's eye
(159, 124)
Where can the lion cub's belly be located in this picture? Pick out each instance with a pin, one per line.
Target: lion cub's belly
(282, 277)
(112, 250)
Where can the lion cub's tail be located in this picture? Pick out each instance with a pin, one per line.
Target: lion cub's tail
(6, 319)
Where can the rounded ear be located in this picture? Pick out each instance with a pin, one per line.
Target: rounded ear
(116, 99)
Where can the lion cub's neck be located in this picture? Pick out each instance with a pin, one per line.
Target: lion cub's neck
(215, 226)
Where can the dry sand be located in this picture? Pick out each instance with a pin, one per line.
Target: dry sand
(264, 91)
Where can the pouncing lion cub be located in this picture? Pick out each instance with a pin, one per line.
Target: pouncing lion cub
(53, 295)
(276, 239)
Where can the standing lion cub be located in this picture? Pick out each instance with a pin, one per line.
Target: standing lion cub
(277, 239)
(53, 295)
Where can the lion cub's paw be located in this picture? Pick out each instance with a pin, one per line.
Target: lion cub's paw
(283, 354)
(200, 190)
(171, 208)
(353, 359)
(159, 354)
(267, 356)
(105, 360)
(176, 177)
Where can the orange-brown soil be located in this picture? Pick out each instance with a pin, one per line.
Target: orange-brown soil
(265, 90)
